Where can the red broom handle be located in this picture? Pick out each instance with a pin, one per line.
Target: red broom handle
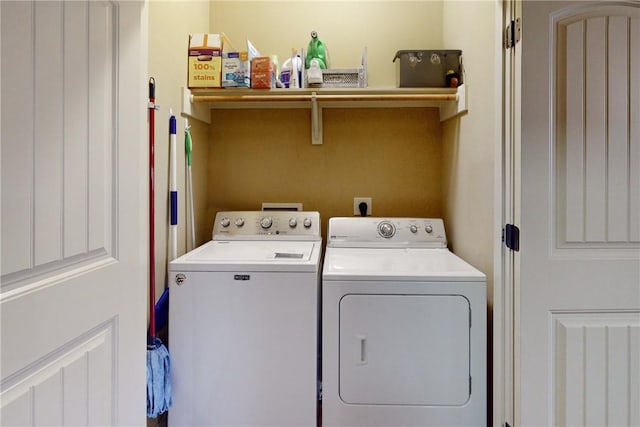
(152, 258)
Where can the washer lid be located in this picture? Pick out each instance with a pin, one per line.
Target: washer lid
(250, 256)
(397, 264)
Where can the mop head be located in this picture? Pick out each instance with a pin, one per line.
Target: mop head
(158, 378)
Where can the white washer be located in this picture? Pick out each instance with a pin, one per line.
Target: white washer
(244, 322)
(404, 327)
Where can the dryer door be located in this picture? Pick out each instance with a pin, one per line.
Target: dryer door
(404, 349)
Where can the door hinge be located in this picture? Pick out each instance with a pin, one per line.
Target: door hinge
(511, 237)
(512, 34)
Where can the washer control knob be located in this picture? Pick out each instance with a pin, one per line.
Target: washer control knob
(225, 222)
(386, 229)
(239, 222)
(428, 228)
(293, 223)
(266, 222)
(307, 223)
(413, 228)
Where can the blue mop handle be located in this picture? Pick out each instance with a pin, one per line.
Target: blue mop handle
(173, 188)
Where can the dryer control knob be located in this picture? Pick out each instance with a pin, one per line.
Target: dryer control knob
(293, 223)
(386, 229)
(428, 228)
(239, 222)
(307, 223)
(414, 229)
(266, 222)
(225, 222)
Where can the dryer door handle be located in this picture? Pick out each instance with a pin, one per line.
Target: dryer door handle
(362, 339)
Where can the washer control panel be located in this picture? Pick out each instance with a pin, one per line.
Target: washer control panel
(386, 232)
(263, 225)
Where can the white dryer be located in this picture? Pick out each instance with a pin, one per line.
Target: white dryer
(404, 327)
(244, 323)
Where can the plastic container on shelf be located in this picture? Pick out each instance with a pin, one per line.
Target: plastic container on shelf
(290, 65)
(316, 50)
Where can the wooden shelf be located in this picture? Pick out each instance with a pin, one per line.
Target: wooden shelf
(197, 103)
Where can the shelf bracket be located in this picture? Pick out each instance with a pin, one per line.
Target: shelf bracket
(453, 109)
(194, 110)
(316, 121)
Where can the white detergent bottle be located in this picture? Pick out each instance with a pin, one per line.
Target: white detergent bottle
(285, 72)
(290, 71)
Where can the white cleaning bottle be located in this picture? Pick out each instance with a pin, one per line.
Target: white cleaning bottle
(285, 72)
(314, 73)
(296, 68)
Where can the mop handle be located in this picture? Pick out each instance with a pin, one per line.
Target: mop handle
(152, 264)
(173, 188)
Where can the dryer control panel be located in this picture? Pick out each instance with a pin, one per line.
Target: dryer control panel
(386, 232)
(267, 225)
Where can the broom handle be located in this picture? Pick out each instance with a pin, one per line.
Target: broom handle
(152, 258)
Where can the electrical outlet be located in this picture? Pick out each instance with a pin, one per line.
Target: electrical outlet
(356, 205)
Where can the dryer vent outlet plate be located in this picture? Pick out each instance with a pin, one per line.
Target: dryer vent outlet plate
(356, 205)
(268, 206)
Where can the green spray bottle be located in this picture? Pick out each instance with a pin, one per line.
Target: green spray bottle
(316, 50)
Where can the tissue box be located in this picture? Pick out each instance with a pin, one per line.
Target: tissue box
(263, 73)
(426, 68)
(204, 61)
(235, 69)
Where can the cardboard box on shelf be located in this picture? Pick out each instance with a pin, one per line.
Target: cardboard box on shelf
(204, 61)
(235, 65)
(263, 73)
(235, 69)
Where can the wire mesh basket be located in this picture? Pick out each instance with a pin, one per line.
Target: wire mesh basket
(342, 77)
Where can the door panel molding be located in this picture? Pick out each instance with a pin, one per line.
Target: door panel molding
(595, 133)
(66, 386)
(22, 283)
(596, 367)
(59, 139)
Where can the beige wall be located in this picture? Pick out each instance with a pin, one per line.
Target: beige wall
(170, 23)
(404, 159)
(468, 142)
(469, 147)
(345, 27)
(391, 155)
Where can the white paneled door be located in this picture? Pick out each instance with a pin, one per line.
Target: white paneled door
(578, 322)
(73, 285)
